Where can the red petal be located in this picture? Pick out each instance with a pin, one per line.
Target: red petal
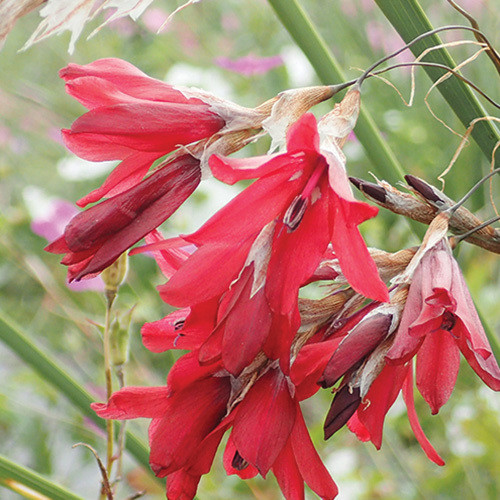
(143, 126)
(415, 424)
(288, 475)
(303, 135)
(264, 421)
(379, 399)
(182, 485)
(309, 366)
(438, 361)
(247, 325)
(166, 333)
(190, 285)
(296, 254)
(126, 218)
(194, 413)
(245, 216)
(232, 170)
(135, 402)
(126, 175)
(309, 462)
(367, 335)
(246, 472)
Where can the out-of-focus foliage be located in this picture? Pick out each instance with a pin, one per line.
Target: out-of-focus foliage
(38, 427)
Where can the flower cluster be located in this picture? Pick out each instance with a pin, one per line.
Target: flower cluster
(256, 348)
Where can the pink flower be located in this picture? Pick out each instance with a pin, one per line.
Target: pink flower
(250, 65)
(440, 321)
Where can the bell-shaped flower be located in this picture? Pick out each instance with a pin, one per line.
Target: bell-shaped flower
(440, 321)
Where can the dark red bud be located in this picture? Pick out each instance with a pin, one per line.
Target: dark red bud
(360, 342)
(344, 404)
(423, 188)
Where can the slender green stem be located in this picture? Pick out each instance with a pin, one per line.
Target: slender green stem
(409, 20)
(110, 297)
(29, 484)
(13, 336)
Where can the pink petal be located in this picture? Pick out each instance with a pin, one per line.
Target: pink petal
(128, 79)
(438, 361)
(487, 368)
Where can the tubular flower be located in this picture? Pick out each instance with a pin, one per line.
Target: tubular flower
(200, 403)
(268, 241)
(135, 119)
(138, 120)
(440, 321)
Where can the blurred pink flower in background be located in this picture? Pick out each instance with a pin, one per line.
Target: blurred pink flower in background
(154, 19)
(51, 225)
(250, 65)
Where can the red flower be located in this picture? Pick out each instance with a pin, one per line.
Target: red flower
(133, 118)
(95, 238)
(440, 321)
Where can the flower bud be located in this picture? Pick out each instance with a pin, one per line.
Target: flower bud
(119, 338)
(114, 275)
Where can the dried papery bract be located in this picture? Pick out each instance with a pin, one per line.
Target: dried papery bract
(426, 206)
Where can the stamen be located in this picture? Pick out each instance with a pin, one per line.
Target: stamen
(295, 212)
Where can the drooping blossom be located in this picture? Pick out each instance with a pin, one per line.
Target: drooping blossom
(439, 322)
(138, 119)
(200, 403)
(267, 242)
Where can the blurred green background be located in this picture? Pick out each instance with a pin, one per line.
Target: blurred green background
(38, 426)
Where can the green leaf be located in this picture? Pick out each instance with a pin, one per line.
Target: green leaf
(29, 484)
(13, 336)
(409, 20)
